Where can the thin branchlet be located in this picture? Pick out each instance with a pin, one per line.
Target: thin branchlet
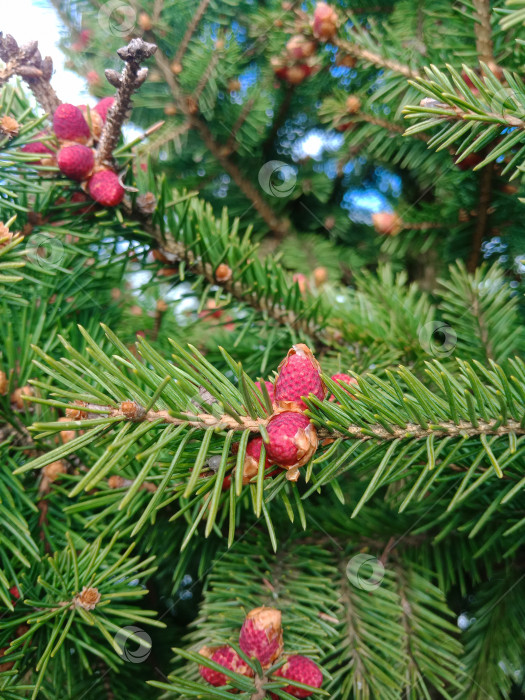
(26, 61)
(352, 432)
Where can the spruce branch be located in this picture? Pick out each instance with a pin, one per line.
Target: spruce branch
(482, 219)
(352, 48)
(128, 82)
(279, 226)
(133, 412)
(190, 31)
(247, 108)
(271, 305)
(27, 62)
(205, 77)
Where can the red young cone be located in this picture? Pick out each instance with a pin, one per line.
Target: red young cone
(40, 148)
(262, 635)
(251, 461)
(303, 670)
(343, 379)
(293, 440)
(69, 124)
(227, 657)
(105, 188)
(76, 162)
(104, 106)
(324, 23)
(270, 389)
(299, 375)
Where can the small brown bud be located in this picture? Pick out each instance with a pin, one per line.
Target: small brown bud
(87, 598)
(162, 307)
(54, 470)
(132, 410)
(144, 22)
(113, 77)
(146, 203)
(387, 223)
(3, 383)
(176, 67)
(234, 86)
(9, 126)
(168, 271)
(192, 105)
(219, 44)
(16, 396)
(170, 109)
(320, 276)
(223, 273)
(75, 412)
(508, 188)
(116, 482)
(66, 435)
(116, 293)
(329, 222)
(353, 104)
(345, 60)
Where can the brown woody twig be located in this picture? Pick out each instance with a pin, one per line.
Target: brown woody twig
(27, 62)
(127, 82)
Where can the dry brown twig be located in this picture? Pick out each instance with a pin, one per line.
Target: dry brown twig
(127, 82)
(27, 62)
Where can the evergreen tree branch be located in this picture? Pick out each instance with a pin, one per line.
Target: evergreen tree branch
(190, 31)
(280, 227)
(351, 48)
(478, 117)
(482, 220)
(231, 143)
